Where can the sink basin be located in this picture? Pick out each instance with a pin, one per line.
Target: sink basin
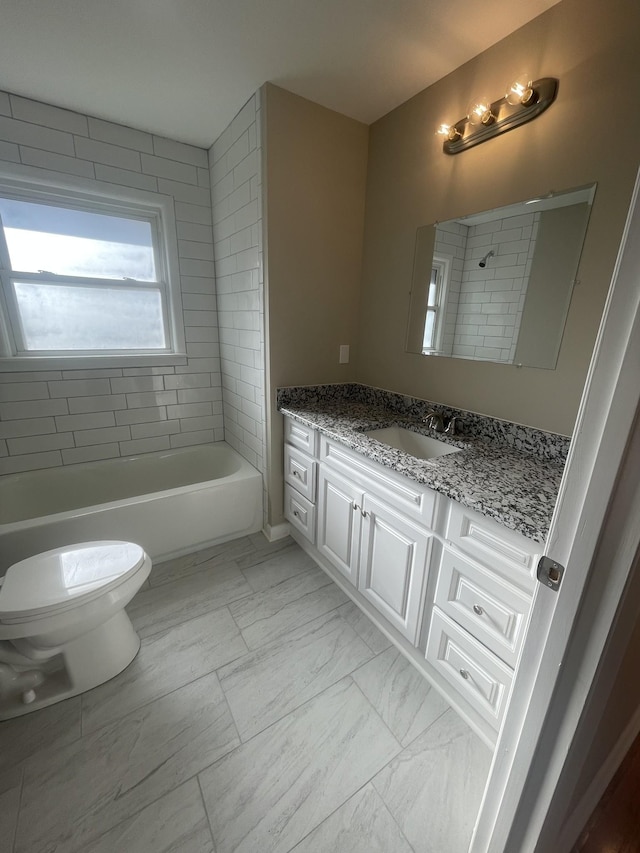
(421, 446)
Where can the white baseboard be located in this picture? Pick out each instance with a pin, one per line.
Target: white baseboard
(278, 531)
(578, 818)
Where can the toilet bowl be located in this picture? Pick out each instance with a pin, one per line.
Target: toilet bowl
(63, 627)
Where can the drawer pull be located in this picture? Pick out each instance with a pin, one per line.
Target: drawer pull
(464, 674)
(478, 610)
(364, 513)
(354, 505)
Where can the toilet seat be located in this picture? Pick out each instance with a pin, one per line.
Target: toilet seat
(64, 578)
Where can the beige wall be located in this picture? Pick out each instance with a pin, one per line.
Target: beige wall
(316, 162)
(591, 49)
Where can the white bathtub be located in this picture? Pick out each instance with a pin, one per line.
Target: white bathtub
(170, 502)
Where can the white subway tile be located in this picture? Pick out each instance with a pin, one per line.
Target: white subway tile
(101, 436)
(247, 215)
(4, 450)
(204, 179)
(193, 284)
(253, 410)
(5, 104)
(32, 409)
(162, 168)
(9, 151)
(40, 443)
(192, 249)
(90, 420)
(188, 380)
(194, 267)
(185, 192)
(247, 423)
(35, 136)
(118, 134)
(246, 168)
(48, 116)
(194, 231)
(151, 430)
(98, 373)
(129, 384)
(56, 162)
(30, 462)
(79, 387)
(201, 334)
(200, 423)
(110, 155)
(186, 212)
(91, 453)
(151, 399)
(106, 403)
(144, 445)
(199, 395)
(221, 145)
(143, 415)
(186, 439)
(189, 410)
(198, 302)
(173, 150)
(126, 178)
(32, 426)
(238, 151)
(241, 241)
(147, 371)
(202, 350)
(13, 391)
(200, 365)
(200, 318)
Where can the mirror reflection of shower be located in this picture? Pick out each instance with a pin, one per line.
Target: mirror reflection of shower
(482, 264)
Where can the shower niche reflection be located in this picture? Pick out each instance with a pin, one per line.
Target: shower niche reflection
(496, 286)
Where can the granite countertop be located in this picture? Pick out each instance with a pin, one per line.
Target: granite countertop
(518, 490)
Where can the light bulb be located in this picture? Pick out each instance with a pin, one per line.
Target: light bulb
(450, 131)
(479, 111)
(520, 91)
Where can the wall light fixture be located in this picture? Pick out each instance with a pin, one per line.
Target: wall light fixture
(524, 100)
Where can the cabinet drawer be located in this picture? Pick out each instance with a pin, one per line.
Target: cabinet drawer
(492, 610)
(494, 546)
(300, 472)
(477, 675)
(300, 512)
(301, 436)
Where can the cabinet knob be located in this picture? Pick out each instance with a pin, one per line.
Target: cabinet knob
(354, 505)
(296, 474)
(296, 513)
(477, 609)
(464, 673)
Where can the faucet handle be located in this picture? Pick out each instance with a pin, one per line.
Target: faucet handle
(451, 425)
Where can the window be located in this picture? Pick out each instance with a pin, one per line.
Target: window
(434, 317)
(85, 276)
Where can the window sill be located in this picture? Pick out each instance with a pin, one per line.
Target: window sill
(88, 362)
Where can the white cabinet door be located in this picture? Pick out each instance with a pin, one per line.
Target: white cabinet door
(339, 522)
(393, 566)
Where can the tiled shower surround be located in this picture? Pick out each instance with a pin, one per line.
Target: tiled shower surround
(59, 417)
(236, 190)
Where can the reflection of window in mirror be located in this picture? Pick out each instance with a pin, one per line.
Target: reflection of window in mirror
(436, 301)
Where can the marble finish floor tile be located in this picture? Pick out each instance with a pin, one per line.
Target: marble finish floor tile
(169, 604)
(28, 735)
(165, 662)
(73, 795)
(10, 790)
(266, 551)
(209, 558)
(400, 694)
(288, 563)
(176, 823)
(266, 615)
(362, 825)
(372, 636)
(263, 686)
(268, 794)
(434, 787)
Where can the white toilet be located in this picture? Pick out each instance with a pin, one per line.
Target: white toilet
(63, 627)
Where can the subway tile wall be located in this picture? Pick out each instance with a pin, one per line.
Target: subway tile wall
(50, 418)
(236, 190)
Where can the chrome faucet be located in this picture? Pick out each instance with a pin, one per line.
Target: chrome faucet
(451, 426)
(434, 421)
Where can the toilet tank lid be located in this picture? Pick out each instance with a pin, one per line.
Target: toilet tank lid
(65, 575)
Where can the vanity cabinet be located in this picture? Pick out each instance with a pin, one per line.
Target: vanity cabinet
(452, 587)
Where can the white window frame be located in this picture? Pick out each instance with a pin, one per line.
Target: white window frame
(95, 196)
(442, 264)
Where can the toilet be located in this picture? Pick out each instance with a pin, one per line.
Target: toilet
(63, 626)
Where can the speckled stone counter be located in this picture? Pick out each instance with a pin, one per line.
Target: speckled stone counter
(516, 488)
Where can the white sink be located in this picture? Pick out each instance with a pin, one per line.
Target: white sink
(421, 446)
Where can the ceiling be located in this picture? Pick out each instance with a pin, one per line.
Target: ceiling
(183, 68)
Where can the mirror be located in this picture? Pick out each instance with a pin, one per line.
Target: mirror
(496, 286)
